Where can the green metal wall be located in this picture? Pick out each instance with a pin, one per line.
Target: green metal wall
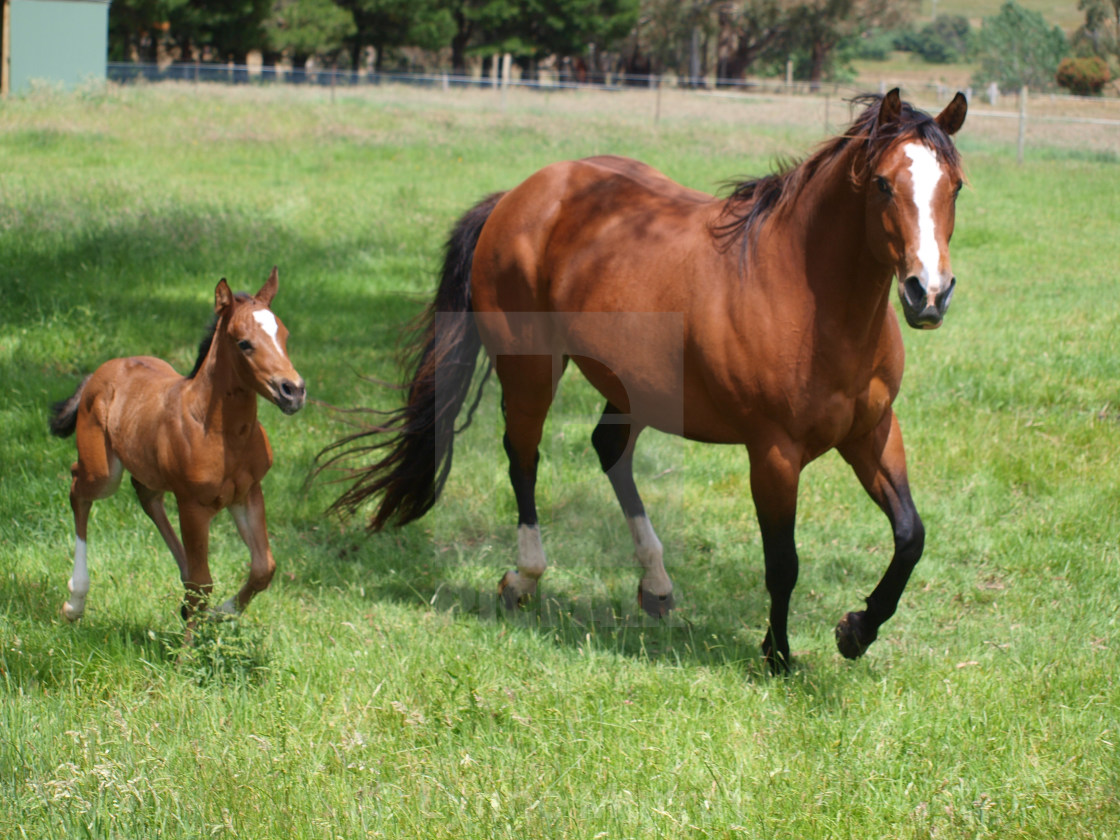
(61, 42)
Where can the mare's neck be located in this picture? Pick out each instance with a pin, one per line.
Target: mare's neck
(850, 287)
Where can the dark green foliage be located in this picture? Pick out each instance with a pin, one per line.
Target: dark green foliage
(1017, 47)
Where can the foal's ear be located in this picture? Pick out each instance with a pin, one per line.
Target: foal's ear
(268, 290)
(890, 108)
(952, 118)
(223, 297)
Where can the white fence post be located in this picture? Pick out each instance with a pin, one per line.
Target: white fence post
(1022, 121)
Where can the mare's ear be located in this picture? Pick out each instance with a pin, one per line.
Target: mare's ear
(890, 108)
(223, 297)
(952, 118)
(268, 290)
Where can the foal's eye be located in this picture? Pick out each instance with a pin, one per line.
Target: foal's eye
(245, 346)
(883, 184)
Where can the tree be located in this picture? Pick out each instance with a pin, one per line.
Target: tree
(747, 31)
(387, 24)
(1100, 34)
(816, 30)
(303, 28)
(1017, 47)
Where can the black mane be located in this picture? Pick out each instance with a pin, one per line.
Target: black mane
(208, 338)
(751, 202)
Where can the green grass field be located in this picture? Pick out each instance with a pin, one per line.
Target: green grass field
(376, 690)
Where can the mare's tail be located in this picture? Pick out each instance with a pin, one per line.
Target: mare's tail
(415, 442)
(64, 413)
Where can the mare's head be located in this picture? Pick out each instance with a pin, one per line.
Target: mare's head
(911, 180)
(257, 343)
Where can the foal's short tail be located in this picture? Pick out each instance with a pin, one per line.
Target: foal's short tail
(415, 442)
(64, 413)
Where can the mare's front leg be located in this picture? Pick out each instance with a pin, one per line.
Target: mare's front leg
(194, 523)
(775, 473)
(251, 525)
(880, 463)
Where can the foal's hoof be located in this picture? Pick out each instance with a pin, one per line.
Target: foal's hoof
(852, 637)
(70, 613)
(514, 591)
(657, 606)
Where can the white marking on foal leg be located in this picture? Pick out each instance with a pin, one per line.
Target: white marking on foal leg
(78, 584)
(268, 323)
(925, 173)
(647, 547)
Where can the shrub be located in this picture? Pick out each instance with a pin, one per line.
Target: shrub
(1083, 76)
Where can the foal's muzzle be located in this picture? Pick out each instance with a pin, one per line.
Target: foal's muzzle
(289, 396)
(924, 311)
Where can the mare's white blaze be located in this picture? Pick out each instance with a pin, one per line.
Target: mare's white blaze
(531, 561)
(648, 549)
(268, 323)
(78, 583)
(925, 172)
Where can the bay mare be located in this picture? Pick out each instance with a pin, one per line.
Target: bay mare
(194, 436)
(761, 319)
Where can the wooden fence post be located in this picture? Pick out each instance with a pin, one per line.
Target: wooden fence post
(1022, 122)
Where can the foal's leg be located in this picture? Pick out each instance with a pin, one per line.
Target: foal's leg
(775, 472)
(250, 520)
(96, 475)
(614, 444)
(879, 461)
(194, 523)
(152, 503)
(528, 384)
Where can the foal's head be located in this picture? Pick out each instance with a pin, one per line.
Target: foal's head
(257, 343)
(913, 177)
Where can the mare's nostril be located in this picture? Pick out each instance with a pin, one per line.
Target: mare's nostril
(915, 292)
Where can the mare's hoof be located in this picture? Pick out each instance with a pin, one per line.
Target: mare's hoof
(852, 637)
(657, 606)
(510, 588)
(777, 661)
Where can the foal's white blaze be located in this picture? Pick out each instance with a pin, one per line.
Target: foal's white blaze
(78, 584)
(268, 323)
(925, 172)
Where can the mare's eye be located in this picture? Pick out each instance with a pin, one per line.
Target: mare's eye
(245, 346)
(883, 184)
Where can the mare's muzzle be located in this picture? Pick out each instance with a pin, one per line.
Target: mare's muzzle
(289, 396)
(924, 311)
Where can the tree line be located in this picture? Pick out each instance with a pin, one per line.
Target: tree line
(692, 39)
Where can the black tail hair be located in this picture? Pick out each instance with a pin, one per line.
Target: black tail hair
(64, 413)
(417, 440)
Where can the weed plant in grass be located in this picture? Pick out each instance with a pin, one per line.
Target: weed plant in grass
(376, 690)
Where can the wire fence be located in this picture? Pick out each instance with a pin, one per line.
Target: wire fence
(1090, 124)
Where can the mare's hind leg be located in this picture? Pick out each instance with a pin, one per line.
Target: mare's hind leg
(528, 384)
(614, 445)
(879, 461)
(96, 475)
(251, 526)
(152, 503)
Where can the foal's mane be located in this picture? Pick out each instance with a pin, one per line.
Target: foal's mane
(208, 337)
(751, 202)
